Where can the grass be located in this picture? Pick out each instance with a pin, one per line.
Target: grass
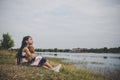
(10, 71)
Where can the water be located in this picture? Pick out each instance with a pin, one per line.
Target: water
(103, 63)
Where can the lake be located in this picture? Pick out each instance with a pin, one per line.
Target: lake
(103, 63)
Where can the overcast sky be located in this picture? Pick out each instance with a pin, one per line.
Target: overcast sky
(62, 23)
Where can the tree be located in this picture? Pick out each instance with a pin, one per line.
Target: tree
(7, 42)
(105, 49)
(55, 49)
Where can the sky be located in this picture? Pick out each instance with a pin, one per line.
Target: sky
(62, 23)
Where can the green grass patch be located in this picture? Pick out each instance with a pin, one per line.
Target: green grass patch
(10, 71)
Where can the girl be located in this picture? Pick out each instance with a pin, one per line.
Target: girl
(24, 56)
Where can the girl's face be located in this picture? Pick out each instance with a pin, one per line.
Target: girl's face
(29, 41)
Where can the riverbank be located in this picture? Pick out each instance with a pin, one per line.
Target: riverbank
(10, 71)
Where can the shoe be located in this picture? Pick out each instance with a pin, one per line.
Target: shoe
(57, 68)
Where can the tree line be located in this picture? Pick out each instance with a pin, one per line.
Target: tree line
(7, 43)
(53, 50)
(92, 50)
(101, 50)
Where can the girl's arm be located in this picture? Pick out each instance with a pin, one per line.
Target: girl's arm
(28, 53)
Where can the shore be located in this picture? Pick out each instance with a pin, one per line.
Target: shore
(10, 71)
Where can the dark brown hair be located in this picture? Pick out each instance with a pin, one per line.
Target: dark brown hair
(24, 44)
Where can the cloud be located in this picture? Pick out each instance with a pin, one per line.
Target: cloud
(62, 23)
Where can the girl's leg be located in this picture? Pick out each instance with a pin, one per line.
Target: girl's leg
(47, 65)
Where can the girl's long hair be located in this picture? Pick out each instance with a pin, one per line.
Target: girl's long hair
(24, 44)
